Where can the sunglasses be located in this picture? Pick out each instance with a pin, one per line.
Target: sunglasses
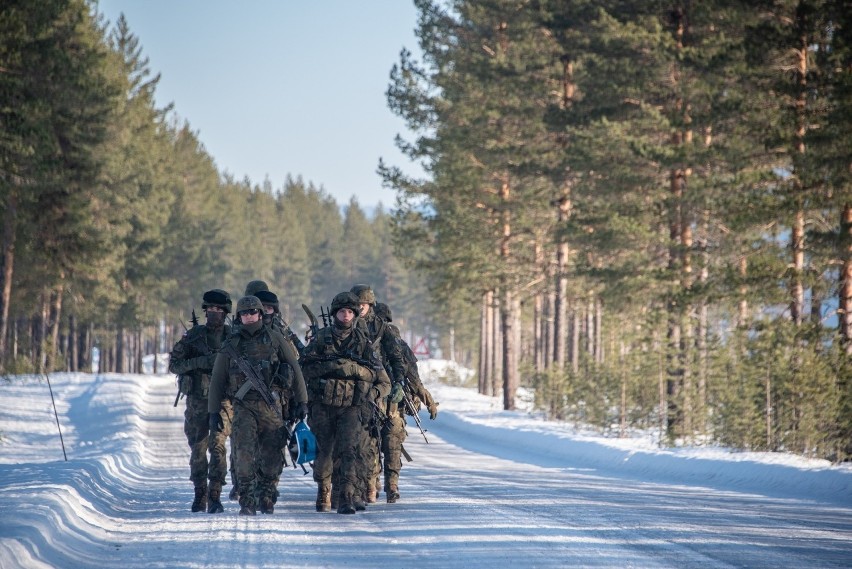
(250, 312)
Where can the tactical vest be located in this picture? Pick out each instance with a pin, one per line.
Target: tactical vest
(263, 348)
(333, 377)
(196, 382)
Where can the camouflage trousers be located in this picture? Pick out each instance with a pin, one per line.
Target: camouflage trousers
(342, 448)
(257, 443)
(197, 430)
(393, 435)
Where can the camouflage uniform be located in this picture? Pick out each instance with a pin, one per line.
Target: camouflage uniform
(344, 381)
(192, 360)
(258, 436)
(385, 343)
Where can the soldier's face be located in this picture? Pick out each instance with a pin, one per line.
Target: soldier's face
(268, 308)
(250, 316)
(345, 315)
(365, 307)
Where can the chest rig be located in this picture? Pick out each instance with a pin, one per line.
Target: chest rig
(261, 352)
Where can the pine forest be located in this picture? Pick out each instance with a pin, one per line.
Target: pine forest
(638, 211)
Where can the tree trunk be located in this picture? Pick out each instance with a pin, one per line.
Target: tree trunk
(575, 340)
(118, 364)
(140, 351)
(10, 219)
(511, 323)
(845, 292)
(485, 346)
(496, 347)
(53, 330)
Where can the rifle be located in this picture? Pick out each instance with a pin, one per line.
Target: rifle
(380, 419)
(288, 332)
(409, 407)
(314, 324)
(326, 317)
(254, 380)
(177, 397)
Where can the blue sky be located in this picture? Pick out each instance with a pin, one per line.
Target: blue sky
(282, 87)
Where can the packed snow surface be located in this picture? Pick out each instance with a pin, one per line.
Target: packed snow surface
(490, 489)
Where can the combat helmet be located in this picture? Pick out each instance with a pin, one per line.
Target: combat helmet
(344, 300)
(216, 297)
(364, 293)
(268, 299)
(249, 302)
(383, 311)
(256, 286)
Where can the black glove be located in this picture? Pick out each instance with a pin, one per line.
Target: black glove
(215, 422)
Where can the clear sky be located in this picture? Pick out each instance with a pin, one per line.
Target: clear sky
(278, 87)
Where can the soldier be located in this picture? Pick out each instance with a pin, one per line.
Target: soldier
(384, 342)
(393, 431)
(257, 426)
(192, 359)
(272, 317)
(345, 382)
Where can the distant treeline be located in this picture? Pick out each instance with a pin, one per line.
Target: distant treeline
(115, 219)
(648, 205)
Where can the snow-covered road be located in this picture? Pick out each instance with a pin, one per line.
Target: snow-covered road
(490, 489)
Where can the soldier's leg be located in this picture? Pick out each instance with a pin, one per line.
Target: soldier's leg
(350, 449)
(270, 458)
(392, 440)
(323, 420)
(235, 487)
(196, 429)
(245, 444)
(218, 460)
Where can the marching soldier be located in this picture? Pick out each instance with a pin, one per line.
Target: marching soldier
(255, 367)
(192, 359)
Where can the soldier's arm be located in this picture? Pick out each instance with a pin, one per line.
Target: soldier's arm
(218, 381)
(393, 353)
(291, 356)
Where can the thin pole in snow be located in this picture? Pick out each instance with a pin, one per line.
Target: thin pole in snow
(58, 428)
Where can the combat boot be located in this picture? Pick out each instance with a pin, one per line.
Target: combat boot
(214, 504)
(199, 504)
(335, 497)
(323, 498)
(267, 506)
(234, 495)
(392, 493)
(347, 502)
(248, 509)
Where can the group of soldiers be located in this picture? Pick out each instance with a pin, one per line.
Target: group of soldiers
(252, 381)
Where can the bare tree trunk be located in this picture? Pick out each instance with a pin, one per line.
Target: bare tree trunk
(742, 311)
(538, 332)
(10, 218)
(496, 347)
(511, 374)
(845, 291)
(53, 330)
(590, 328)
(485, 357)
(119, 350)
(140, 351)
(599, 347)
(797, 289)
(73, 354)
(549, 333)
(575, 340)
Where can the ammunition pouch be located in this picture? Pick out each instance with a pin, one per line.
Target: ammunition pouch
(194, 384)
(185, 384)
(341, 392)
